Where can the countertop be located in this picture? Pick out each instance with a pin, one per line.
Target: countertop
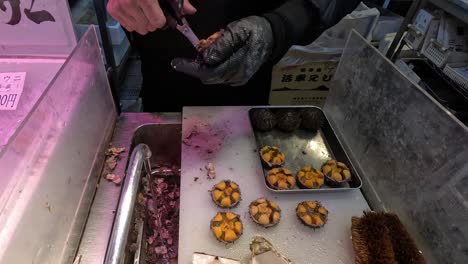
(224, 137)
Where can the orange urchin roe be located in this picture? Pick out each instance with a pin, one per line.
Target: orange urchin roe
(281, 179)
(312, 213)
(310, 178)
(226, 194)
(272, 156)
(226, 226)
(336, 171)
(205, 43)
(265, 212)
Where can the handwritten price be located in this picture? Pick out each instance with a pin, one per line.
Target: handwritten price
(11, 88)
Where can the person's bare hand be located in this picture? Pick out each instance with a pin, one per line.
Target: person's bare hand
(142, 16)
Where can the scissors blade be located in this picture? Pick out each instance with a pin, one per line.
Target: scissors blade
(188, 32)
(180, 4)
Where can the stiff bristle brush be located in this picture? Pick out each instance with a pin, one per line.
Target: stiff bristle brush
(380, 238)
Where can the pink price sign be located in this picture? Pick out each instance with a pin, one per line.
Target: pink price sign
(11, 88)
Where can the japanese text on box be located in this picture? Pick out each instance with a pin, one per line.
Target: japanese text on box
(11, 88)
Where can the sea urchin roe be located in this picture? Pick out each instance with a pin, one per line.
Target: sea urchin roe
(205, 43)
(226, 194)
(226, 226)
(281, 179)
(336, 171)
(272, 156)
(312, 213)
(265, 212)
(310, 178)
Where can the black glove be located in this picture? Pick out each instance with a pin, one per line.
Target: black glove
(235, 56)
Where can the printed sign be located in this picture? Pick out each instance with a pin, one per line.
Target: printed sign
(305, 84)
(303, 77)
(11, 88)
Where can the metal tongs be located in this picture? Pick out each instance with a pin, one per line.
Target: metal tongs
(175, 18)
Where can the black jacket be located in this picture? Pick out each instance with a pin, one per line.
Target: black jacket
(293, 22)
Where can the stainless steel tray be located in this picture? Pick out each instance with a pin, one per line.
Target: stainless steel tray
(305, 148)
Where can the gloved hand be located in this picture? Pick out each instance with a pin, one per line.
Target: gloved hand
(235, 56)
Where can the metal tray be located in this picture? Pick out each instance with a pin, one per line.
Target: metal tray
(305, 148)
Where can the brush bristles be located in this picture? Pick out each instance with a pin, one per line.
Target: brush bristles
(380, 242)
(360, 245)
(404, 246)
(380, 238)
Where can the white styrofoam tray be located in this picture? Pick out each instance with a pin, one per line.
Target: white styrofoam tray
(227, 134)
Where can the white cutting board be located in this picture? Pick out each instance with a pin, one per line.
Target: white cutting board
(224, 137)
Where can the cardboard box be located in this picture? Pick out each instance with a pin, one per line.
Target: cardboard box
(304, 74)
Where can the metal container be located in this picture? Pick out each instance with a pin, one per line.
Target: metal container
(305, 148)
(164, 143)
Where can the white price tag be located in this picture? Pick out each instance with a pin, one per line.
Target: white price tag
(11, 88)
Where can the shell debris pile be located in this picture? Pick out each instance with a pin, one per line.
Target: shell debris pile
(112, 157)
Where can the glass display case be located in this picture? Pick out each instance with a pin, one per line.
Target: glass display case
(37, 41)
(50, 144)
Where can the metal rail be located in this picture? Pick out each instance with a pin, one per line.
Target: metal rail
(396, 46)
(116, 249)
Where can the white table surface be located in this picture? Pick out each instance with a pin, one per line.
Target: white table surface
(224, 137)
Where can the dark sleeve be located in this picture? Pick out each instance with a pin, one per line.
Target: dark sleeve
(289, 22)
(299, 22)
